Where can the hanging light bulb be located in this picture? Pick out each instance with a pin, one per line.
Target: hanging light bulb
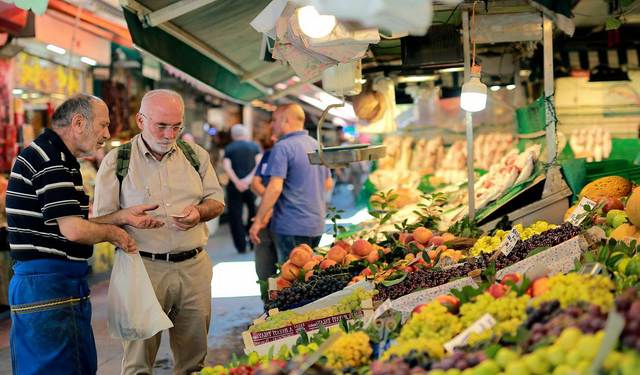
(474, 93)
(314, 24)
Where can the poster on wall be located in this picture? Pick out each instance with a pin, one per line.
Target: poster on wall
(34, 73)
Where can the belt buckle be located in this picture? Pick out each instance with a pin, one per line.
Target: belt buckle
(167, 259)
(153, 257)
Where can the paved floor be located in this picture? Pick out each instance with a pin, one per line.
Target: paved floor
(233, 275)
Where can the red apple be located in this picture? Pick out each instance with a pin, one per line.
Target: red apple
(515, 277)
(498, 290)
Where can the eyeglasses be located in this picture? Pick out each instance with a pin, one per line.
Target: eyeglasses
(163, 128)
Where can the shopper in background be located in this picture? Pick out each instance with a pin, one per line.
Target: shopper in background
(51, 239)
(266, 254)
(240, 160)
(296, 189)
(161, 170)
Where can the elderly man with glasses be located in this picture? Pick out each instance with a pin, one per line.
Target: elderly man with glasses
(189, 194)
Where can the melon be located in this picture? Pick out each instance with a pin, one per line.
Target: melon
(570, 211)
(633, 207)
(611, 186)
(625, 230)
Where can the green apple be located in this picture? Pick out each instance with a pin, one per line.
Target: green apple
(619, 220)
(611, 215)
(506, 356)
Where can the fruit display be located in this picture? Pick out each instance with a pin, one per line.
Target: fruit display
(433, 322)
(286, 318)
(489, 244)
(572, 288)
(350, 350)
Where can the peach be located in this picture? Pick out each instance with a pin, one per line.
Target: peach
(308, 275)
(310, 265)
(337, 254)
(441, 248)
(422, 235)
(366, 272)
(361, 247)
(386, 250)
(448, 237)
(299, 257)
(307, 248)
(402, 237)
(437, 241)
(409, 238)
(408, 269)
(327, 263)
(416, 244)
(343, 244)
(432, 254)
(290, 271)
(373, 257)
(447, 298)
(282, 283)
(410, 257)
(349, 258)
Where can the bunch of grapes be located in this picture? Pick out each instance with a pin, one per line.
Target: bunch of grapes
(348, 304)
(351, 350)
(572, 288)
(503, 309)
(326, 282)
(424, 278)
(434, 322)
(550, 320)
(490, 244)
(396, 366)
(460, 360)
(417, 349)
(628, 305)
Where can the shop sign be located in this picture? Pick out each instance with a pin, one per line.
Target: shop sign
(36, 74)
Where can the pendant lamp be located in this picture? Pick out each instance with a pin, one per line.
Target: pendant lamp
(474, 93)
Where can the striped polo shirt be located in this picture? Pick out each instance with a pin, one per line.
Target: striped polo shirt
(45, 184)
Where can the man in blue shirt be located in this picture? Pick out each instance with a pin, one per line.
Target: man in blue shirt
(296, 190)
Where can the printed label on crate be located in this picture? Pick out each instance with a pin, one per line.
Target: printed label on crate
(573, 218)
(386, 305)
(485, 322)
(264, 337)
(509, 242)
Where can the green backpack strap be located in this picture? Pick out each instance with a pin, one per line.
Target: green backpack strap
(188, 152)
(122, 161)
(124, 155)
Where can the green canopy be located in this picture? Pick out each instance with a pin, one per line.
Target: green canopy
(174, 52)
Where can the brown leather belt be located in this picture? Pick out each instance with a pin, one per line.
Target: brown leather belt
(169, 257)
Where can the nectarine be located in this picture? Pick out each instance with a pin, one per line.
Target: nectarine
(299, 257)
(337, 254)
(422, 235)
(361, 247)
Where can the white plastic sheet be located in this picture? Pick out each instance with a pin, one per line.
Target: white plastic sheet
(133, 311)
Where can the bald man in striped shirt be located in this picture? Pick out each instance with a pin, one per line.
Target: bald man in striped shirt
(51, 238)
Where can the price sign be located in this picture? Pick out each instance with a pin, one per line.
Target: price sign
(575, 218)
(485, 322)
(509, 242)
(386, 305)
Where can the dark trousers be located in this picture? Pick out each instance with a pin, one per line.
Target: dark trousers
(235, 201)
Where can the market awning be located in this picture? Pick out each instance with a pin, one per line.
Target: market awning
(212, 43)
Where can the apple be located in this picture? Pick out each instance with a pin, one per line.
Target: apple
(417, 309)
(515, 277)
(618, 221)
(612, 215)
(610, 203)
(449, 299)
(498, 290)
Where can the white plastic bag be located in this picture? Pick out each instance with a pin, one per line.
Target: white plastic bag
(133, 311)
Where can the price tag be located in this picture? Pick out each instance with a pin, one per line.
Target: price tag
(574, 217)
(612, 330)
(509, 242)
(386, 305)
(590, 269)
(485, 322)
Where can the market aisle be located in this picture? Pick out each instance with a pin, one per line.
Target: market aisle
(233, 275)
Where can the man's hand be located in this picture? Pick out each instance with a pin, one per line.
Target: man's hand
(241, 185)
(122, 240)
(138, 217)
(255, 229)
(191, 219)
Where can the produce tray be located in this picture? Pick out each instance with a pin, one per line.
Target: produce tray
(262, 342)
(559, 258)
(631, 173)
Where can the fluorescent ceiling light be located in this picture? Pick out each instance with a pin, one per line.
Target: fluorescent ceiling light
(25, 96)
(115, 143)
(17, 91)
(58, 96)
(56, 49)
(243, 286)
(416, 79)
(35, 95)
(314, 24)
(511, 87)
(495, 88)
(452, 70)
(88, 61)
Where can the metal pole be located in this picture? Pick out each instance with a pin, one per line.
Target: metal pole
(548, 87)
(469, 119)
